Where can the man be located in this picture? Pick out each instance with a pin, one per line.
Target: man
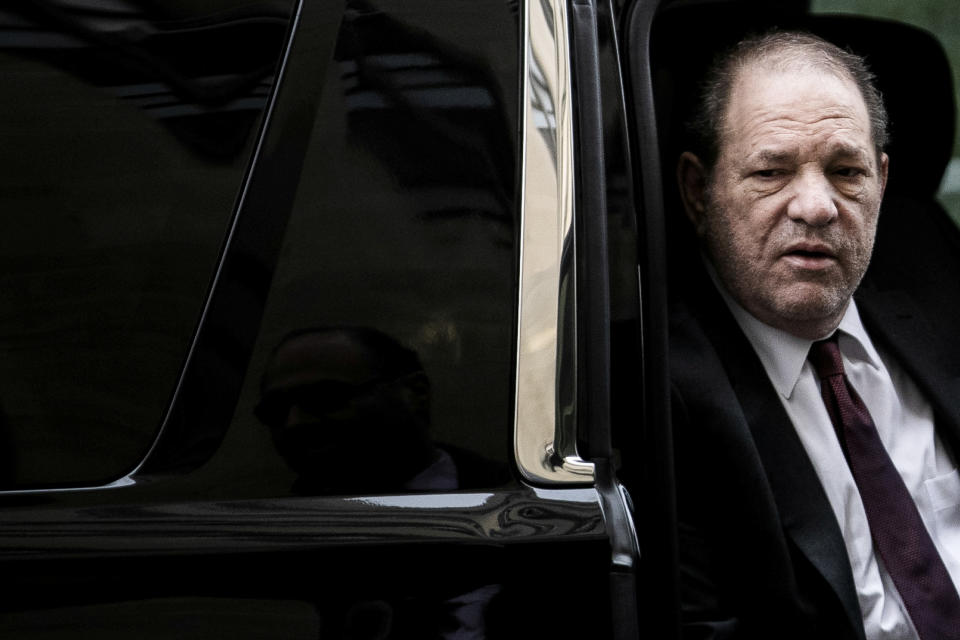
(817, 495)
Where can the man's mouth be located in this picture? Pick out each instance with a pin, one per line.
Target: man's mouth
(810, 255)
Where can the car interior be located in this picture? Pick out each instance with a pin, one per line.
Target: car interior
(918, 243)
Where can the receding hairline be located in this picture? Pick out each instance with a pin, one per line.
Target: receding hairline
(779, 51)
(791, 50)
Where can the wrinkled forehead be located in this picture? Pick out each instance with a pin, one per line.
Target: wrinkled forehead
(798, 98)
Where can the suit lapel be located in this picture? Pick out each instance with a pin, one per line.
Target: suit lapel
(896, 323)
(805, 511)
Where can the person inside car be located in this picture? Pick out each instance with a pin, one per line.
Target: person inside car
(815, 432)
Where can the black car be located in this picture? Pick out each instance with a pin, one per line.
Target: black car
(347, 319)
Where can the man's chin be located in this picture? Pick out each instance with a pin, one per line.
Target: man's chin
(815, 306)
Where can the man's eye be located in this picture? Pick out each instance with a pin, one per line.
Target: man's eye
(849, 172)
(768, 173)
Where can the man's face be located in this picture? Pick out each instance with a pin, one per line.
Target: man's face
(789, 215)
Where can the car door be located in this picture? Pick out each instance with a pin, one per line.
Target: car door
(318, 343)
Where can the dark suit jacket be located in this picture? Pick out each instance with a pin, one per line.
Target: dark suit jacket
(761, 553)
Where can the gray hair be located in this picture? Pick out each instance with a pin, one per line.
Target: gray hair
(778, 50)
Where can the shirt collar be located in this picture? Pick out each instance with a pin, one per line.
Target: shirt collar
(783, 354)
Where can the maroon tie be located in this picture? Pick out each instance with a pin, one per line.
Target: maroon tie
(899, 535)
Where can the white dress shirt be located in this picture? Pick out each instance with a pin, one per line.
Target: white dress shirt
(904, 421)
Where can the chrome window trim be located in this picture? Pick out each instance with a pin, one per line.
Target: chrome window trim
(546, 224)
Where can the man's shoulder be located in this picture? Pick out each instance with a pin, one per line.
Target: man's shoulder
(703, 333)
(704, 366)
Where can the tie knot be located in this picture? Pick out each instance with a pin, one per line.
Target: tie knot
(825, 358)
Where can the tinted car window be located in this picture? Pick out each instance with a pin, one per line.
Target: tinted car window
(125, 127)
(384, 357)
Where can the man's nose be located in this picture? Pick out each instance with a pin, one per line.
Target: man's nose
(813, 202)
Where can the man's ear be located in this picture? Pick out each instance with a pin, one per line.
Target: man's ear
(692, 180)
(884, 169)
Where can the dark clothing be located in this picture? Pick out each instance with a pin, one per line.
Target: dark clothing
(761, 552)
